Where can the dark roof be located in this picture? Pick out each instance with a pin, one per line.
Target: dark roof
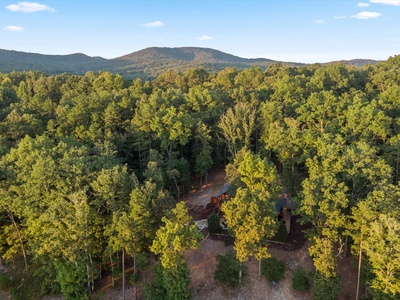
(281, 203)
(224, 189)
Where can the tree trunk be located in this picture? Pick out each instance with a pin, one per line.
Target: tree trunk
(140, 162)
(177, 187)
(134, 272)
(240, 282)
(88, 278)
(396, 178)
(259, 268)
(112, 269)
(359, 270)
(225, 155)
(123, 274)
(91, 271)
(346, 242)
(20, 239)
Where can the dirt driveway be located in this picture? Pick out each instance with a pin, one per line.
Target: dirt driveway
(202, 264)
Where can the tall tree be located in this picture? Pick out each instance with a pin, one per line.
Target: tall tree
(251, 214)
(178, 235)
(237, 126)
(323, 202)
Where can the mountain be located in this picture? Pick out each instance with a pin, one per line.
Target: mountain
(53, 64)
(190, 54)
(156, 60)
(356, 62)
(146, 63)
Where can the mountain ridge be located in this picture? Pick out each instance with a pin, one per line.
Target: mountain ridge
(146, 63)
(192, 54)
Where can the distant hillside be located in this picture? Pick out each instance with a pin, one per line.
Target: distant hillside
(156, 60)
(73, 63)
(145, 63)
(356, 62)
(190, 54)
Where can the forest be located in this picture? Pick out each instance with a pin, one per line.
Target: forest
(93, 168)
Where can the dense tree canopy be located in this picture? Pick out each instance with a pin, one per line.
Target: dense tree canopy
(92, 165)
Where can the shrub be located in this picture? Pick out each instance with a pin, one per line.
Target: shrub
(133, 278)
(228, 268)
(325, 288)
(177, 282)
(281, 234)
(273, 269)
(300, 281)
(169, 283)
(213, 223)
(72, 279)
(5, 281)
(20, 285)
(156, 290)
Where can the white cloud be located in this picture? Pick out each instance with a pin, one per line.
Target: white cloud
(340, 17)
(364, 15)
(13, 28)
(319, 21)
(154, 24)
(29, 7)
(204, 38)
(387, 2)
(363, 4)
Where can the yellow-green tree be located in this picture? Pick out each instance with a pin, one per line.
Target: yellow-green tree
(251, 214)
(178, 235)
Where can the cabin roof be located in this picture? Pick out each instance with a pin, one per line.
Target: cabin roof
(224, 189)
(280, 204)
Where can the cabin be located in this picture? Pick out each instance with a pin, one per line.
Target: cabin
(284, 205)
(221, 196)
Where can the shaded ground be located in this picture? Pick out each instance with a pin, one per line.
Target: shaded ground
(198, 201)
(202, 263)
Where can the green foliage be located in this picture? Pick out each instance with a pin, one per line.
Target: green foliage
(71, 279)
(4, 281)
(228, 268)
(176, 282)
(178, 235)
(20, 285)
(134, 278)
(377, 294)
(325, 288)
(237, 126)
(251, 214)
(273, 269)
(142, 261)
(281, 234)
(300, 280)
(156, 290)
(203, 161)
(72, 148)
(213, 223)
(170, 284)
(381, 246)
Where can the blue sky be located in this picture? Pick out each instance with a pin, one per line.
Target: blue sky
(286, 30)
